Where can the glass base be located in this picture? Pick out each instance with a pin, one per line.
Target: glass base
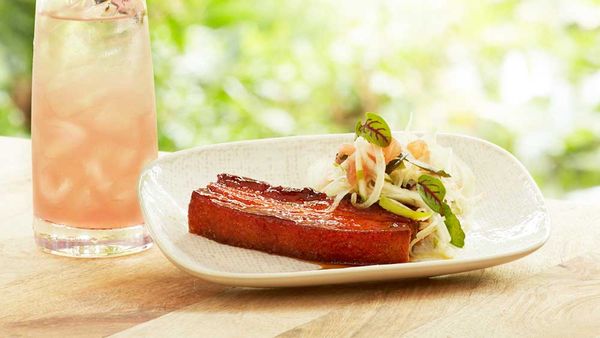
(64, 240)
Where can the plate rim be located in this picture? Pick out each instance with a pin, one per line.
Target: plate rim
(321, 275)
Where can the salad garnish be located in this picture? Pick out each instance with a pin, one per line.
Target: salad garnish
(433, 192)
(395, 163)
(374, 129)
(428, 168)
(408, 175)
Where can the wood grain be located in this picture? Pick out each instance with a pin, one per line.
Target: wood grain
(553, 292)
(57, 296)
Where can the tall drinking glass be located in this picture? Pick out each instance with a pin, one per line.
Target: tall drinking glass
(93, 125)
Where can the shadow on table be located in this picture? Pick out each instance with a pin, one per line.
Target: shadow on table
(446, 287)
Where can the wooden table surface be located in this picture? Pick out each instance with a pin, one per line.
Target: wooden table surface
(552, 292)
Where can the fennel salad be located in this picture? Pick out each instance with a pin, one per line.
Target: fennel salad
(408, 175)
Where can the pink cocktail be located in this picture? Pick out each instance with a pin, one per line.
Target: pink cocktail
(93, 125)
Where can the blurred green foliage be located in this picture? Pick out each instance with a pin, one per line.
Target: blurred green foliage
(16, 36)
(522, 74)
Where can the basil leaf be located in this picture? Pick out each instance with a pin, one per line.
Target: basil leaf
(395, 163)
(457, 235)
(432, 191)
(426, 167)
(374, 129)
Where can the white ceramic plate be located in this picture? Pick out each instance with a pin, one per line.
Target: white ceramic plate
(510, 221)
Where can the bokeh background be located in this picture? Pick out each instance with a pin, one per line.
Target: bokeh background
(522, 74)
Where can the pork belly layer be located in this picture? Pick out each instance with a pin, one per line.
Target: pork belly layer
(294, 222)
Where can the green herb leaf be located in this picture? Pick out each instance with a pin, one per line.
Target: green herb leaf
(457, 235)
(357, 127)
(395, 163)
(432, 192)
(374, 129)
(427, 168)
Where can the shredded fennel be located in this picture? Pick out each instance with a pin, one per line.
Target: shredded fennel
(370, 182)
(379, 180)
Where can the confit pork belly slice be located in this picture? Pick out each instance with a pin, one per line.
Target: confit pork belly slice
(294, 222)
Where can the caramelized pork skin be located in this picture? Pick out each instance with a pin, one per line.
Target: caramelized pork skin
(295, 222)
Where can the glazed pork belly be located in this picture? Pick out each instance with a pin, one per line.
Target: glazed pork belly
(293, 222)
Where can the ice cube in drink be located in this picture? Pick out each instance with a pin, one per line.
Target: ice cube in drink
(93, 121)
